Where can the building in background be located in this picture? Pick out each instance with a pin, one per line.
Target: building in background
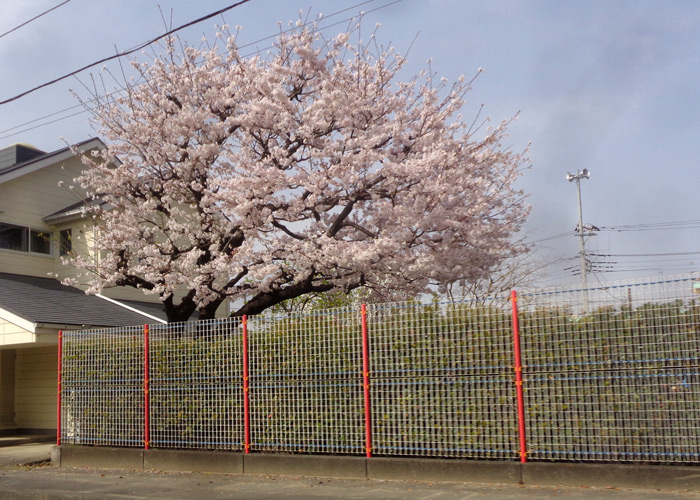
(40, 221)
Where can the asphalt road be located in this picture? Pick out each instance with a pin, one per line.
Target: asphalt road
(42, 481)
(25, 453)
(48, 483)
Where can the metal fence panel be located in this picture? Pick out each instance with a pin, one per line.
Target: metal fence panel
(306, 383)
(102, 387)
(196, 384)
(619, 382)
(443, 380)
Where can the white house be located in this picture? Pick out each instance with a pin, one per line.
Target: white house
(40, 220)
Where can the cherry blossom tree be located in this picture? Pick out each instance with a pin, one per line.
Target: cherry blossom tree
(312, 168)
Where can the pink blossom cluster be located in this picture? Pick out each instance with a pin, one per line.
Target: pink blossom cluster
(312, 168)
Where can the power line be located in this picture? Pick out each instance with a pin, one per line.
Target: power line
(34, 18)
(84, 110)
(654, 226)
(666, 254)
(44, 117)
(553, 237)
(127, 52)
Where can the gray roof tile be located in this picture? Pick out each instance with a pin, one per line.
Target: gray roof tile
(46, 300)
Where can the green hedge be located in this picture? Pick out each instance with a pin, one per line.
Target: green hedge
(614, 384)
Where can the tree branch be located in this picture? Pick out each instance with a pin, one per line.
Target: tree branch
(264, 300)
(284, 228)
(338, 223)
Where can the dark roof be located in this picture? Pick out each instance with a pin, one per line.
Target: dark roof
(8, 166)
(76, 209)
(46, 300)
(17, 153)
(152, 308)
(70, 209)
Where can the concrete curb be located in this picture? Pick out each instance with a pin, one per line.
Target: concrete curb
(615, 475)
(352, 467)
(441, 470)
(305, 465)
(193, 461)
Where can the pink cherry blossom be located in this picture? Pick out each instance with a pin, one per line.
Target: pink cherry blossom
(261, 179)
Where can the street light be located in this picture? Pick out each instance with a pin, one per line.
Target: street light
(584, 174)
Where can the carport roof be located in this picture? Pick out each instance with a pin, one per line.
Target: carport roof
(47, 301)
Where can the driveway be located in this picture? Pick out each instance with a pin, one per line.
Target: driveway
(41, 480)
(25, 454)
(46, 482)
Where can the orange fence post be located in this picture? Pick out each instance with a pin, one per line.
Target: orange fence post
(519, 378)
(60, 389)
(366, 382)
(146, 390)
(246, 387)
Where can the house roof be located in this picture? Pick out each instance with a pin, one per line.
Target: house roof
(47, 301)
(17, 153)
(74, 211)
(44, 160)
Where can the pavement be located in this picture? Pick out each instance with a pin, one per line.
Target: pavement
(42, 481)
(25, 453)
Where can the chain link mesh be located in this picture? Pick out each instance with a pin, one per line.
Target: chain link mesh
(616, 383)
(306, 383)
(102, 387)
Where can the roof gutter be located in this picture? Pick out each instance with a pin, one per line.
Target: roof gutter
(132, 309)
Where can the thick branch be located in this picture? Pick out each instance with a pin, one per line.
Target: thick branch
(268, 299)
(360, 228)
(284, 228)
(338, 222)
(183, 310)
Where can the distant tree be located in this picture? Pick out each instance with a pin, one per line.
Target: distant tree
(265, 178)
(319, 301)
(520, 271)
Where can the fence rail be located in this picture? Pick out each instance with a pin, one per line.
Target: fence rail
(536, 378)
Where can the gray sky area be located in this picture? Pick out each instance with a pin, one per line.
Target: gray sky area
(611, 86)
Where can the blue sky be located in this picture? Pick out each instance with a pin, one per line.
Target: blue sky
(611, 86)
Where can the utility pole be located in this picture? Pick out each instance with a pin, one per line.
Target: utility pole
(584, 174)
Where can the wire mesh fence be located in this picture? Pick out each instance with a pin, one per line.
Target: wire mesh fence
(442, 380)
(306, 383)
(196, 378)
(619, 381)
(102, 387)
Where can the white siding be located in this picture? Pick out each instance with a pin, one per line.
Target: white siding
(25, 201)
(12, 334)
(82, 243)
(36, 385)
(27, 264)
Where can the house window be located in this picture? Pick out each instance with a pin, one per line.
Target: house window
(65, 242)
(24, 239)
(13, 237)
(40, 242)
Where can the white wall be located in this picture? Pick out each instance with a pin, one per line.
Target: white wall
(25, 201)
(36, 387)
